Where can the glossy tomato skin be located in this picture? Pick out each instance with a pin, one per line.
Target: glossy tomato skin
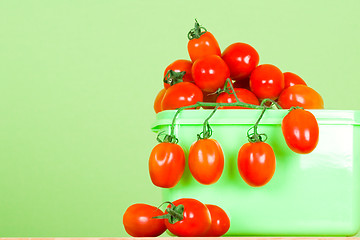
(138, 221)
(180, 65)
(242, 94)
(158, 99)
(292, 79)
(256, 163)
(300, 130)
(300, 96)
(206, 161)
(220, 222)
(180, 95)
(205, 45)
(196, 221)
(267, 81)
(242, 59)
(166, 164)
(210, 73)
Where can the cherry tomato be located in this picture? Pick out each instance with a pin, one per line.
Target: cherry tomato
(220, 222)
(241, 59)
(243, 95)
(181, 94)
(301, 96)
(292, 79)
(138, 221)
(166, 164)
(158, 99)
(300, 130)
(206, 161)
(180, 65)
(196, 219)
(210, 73)
(267, 81)
(256, 163)
(205, 45)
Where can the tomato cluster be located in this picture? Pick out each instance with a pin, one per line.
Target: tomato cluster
(208, 69)
(185, 217)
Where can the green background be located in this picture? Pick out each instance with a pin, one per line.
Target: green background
(77, 85)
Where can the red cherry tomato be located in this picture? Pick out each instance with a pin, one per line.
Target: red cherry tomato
(241, 59)
(139, 222)
(205, 45)
(181, 94)
(210, 73)
(220, 222)
(166, 164)
(158, 99)
(196, 219)
(256, 163)
(206, 161)
(300, 130)
(243, 95)
(292, 79)
(267, 81)
(300, 96)
(180, 66)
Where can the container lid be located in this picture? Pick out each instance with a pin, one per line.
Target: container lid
(249, 116)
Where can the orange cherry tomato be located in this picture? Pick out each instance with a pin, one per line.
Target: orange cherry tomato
(300, 130)
(206, 161)
(242, 94)
(220, 222)
(205, 45)
(180, 65)
(158, 99)
(166, 164)
(256, 163)
(300, 96)
(180, 95)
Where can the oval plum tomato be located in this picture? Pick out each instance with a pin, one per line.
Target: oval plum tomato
(139, 222)
(242, 94)
(267, 81)
(256, 163)
(220, 222)
(201, 43)
(292, 79)
(210, 73)
(241, 59)
(206, 161)
(166, 164)
(158, 99)
(300, 96)
(300, 130)
(180, 65)
(196, 219)
(180, 95)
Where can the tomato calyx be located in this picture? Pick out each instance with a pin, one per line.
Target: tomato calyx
(297, 107)
(197, 31)
(172, 77)
(168, 138)
(174, 213)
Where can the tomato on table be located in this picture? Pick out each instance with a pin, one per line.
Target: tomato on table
(180, 95)
(292, 79)
(300, 130)
(300, 96)
(206, 161)
(242, 59)
(256, 163)
(187, 217)
(138, 221)
(166, 164)
(210, 73)
(267, 81)
(220, 222)
(201, 43)
(242, 94)
(180, 65)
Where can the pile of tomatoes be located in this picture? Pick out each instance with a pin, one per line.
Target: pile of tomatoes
(232, 79)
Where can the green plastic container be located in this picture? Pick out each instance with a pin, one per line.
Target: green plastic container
(317, 194)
